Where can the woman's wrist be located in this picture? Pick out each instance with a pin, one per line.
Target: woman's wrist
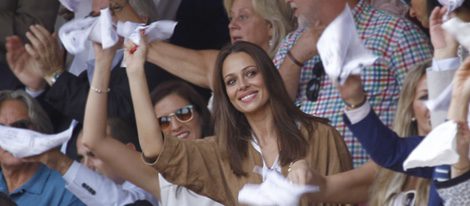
(135, 70)
(445, 53)
(356, 101)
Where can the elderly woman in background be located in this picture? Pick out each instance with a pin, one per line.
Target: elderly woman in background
(262, 22)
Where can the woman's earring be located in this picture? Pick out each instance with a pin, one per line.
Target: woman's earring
(413, 119)
(271, 43)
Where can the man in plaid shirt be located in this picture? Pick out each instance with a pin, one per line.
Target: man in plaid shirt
(399, 44)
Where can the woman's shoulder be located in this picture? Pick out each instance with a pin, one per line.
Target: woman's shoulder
(321, 125)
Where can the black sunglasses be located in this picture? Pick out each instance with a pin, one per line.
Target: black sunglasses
(20, 124)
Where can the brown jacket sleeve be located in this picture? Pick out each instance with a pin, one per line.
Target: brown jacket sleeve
(328, 154)
(195, 164)
(328, 151)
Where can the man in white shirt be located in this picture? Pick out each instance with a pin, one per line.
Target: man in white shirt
(91, 180)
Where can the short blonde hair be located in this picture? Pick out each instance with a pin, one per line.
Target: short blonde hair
(277, 13)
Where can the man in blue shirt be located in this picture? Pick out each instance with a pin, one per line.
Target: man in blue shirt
(29, 183)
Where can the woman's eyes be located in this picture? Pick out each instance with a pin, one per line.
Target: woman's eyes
(423, 97)
(230, 82)
(251, 73)
(243, 17)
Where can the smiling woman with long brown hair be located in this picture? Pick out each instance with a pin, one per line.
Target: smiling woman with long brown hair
(256, 126)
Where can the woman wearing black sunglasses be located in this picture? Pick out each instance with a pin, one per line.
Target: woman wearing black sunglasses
(181, 112)
(256, 125)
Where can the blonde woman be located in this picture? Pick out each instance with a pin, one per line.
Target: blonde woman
(262, 22)
(374, 184)
(412, 119)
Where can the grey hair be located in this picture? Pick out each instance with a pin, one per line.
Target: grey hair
(38, 117)
(145, 8)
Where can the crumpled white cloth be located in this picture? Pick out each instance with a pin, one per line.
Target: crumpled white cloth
(76, 33)
(451, 5)
(341, 50)
(437, 148)
(24, 142)
(275, 190)
(459, 29)
(157, 30)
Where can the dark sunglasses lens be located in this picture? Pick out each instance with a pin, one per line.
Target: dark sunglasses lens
(184, 114)
(22, 124)
(164, 122)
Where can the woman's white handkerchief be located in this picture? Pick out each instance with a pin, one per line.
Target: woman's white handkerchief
(460, 30)
(76, 33)
(275, 190)
(159, 30)
(437, 148)
(341, 50)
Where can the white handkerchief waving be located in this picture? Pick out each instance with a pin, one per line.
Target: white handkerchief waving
(341, 50)
(159, 30)
(275, 190)
(76, 33)
(437, 148)
(459, 29)
(24, 143)
(451, 5)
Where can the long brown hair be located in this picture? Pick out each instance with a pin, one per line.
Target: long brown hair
(231, 126)
(388, 183)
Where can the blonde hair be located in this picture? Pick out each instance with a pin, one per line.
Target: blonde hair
(388, 183)
(277, 13)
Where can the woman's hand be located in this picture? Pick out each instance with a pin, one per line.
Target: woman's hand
(445, 46)
(135, 55)
(299, 172)
(458, 112)
(461, 82)
(105, 55)
(463, 142)
(351, 91)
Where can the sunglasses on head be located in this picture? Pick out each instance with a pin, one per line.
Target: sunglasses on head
(21, 124)
(183, 115)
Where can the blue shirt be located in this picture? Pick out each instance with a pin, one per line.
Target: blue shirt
(388, 150)
(45, 188)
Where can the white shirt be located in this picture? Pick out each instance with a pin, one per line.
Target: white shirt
(172, 194)
(94, 189)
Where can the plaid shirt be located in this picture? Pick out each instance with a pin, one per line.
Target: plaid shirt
(400, 46)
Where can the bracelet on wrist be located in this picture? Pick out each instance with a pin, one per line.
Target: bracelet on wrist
(293, 59)
(354, 106)
(52, 77)
(99, 91)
